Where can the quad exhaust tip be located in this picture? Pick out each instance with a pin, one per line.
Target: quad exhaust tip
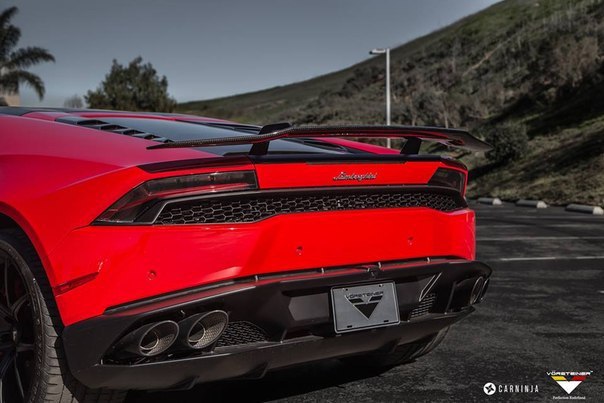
(477, 291)
(149, 340)
(484, 290)
(203, 329)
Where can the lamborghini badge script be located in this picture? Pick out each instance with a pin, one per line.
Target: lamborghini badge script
(343, 176)
(365, 302)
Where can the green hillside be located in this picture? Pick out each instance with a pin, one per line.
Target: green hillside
(525, 74)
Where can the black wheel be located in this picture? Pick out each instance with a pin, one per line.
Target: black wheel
(32, 361)
(402, 354)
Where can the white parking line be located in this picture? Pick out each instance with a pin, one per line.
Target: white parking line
(539, 238)
(536, 217)
(582, 225)
(528, 258)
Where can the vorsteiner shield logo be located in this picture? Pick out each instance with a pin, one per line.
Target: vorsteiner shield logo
(569, 380)
(364, 306)
(365, 302)
(343, 176)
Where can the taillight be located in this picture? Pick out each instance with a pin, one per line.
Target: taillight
(449, 178)
(137, 205)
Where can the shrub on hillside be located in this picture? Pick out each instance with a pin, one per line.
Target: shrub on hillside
(509, 142)
(135, 87)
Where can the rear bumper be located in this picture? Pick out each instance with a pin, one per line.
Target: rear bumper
(292, 311)
(254, 363)
(129, 263)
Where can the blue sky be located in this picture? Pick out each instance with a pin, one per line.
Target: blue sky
(209, 49)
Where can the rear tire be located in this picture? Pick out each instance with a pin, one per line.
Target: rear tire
(33, 367)
(402, 354)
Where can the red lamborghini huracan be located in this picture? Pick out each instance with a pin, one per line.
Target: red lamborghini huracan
(153, 251)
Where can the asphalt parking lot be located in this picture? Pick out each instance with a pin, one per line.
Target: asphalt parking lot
(544, 312)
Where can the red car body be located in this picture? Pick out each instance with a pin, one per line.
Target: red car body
(58, 178)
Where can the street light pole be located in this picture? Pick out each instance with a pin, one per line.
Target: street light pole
(386, 51)
(388, 89)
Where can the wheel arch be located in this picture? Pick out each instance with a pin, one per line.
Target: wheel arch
(10, 219)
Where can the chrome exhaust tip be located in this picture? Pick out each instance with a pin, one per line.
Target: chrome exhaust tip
(203, 329)
(149, 340)
(484, 290)
(477, 290)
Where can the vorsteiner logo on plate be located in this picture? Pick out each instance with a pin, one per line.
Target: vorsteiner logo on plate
(343, 176)
(364, 306)
(365, 302)
(569, 380)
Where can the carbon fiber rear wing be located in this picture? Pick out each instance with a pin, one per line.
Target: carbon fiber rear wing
(414, 135)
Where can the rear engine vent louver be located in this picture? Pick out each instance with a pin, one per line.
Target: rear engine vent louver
(108, 127)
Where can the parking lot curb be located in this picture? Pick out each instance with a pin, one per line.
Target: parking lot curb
(582, 208)
(531, 203)
(493, 201)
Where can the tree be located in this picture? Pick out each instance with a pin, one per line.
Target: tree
(15, 62)
(136, 87)
(509, 141)
(74, 102)
(411, 86)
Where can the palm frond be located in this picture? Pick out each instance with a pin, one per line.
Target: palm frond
(9, 36)
(27, 57)
(14, 62)
(7, 15)
(11, 81)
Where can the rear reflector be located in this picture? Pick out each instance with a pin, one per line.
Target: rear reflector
(64, 287)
